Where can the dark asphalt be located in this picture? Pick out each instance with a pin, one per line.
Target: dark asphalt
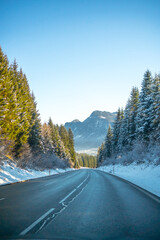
(82, 204)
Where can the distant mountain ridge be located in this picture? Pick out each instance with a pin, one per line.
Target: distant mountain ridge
(90, 133)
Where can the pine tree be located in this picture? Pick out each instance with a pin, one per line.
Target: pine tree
(4, 91)
(58, 145)
(60, 151)
(108, 143)
(64, 135)
(22, 103)
(116, 130)
(155, 124)
(71, 147)
(100, 154)
(134, 101)
(124, 129)
(46, 139)
(34, 140)
(11, 121)
(144, 117)
(54, 136)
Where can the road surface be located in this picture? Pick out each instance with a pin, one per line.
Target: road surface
(82, 204)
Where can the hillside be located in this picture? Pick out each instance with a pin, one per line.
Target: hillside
(89, 134)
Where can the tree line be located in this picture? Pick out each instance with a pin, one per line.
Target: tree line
(86, 160)
(22, 136)
(137, 125)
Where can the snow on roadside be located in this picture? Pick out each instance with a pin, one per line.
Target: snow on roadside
(10, 173)
(147, 177)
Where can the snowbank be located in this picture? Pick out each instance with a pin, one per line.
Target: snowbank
(10, 173)
(147, 177)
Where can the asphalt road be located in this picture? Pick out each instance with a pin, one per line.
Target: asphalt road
(82, 204)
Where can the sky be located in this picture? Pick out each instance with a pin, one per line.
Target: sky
(81, 55)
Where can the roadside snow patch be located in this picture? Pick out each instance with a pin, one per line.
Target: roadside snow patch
(10, 173)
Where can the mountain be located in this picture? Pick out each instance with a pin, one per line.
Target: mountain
(89, 134)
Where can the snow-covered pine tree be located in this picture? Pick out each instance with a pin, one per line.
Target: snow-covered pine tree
(46, 139)
(58, 146)
(54, 136)
(156, 109)
(64, 135)
(134, 101)
(116, 130)
(124, 129)
(144, 117)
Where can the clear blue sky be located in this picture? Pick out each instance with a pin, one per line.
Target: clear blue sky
(81, 55)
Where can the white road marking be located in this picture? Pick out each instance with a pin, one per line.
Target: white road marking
(67, 196)
(2, 199)
(73, 190)
(138, 187)
(80, 184)
(146, 193)
(25, 231)
(64, 205)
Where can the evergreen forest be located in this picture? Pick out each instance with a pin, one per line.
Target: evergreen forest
(86, 160)
(22, 136)
(135, 136)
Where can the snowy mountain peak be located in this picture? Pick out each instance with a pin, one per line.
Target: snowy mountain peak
(102, 114)
(90, 133)
(76, 120)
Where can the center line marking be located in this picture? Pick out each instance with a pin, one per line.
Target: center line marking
(36, 222)
(67, 196)
(73, 190)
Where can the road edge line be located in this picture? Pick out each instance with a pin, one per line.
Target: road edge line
(146, 192)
